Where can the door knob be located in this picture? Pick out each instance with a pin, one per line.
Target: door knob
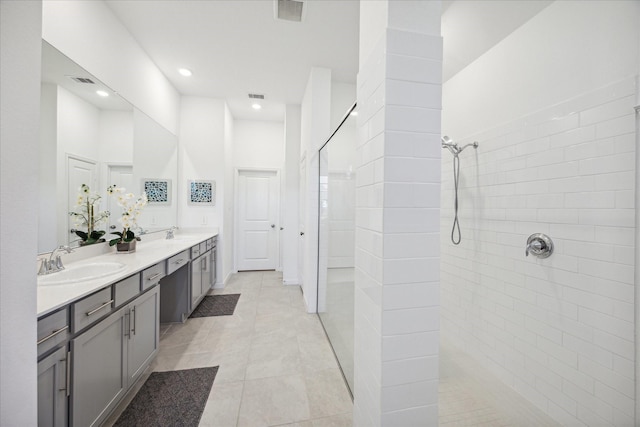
(273, 226)
(302, 233)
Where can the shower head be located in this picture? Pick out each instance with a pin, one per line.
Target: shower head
(453, 147)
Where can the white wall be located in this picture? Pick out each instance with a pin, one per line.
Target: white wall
(343, 96)
(202, 156)
(315, 130)
(552, 109)
(47, 176)
(115, 137)
(557, 55)
(291, 179)
(20, 58)
(228, 245)
(396, 317)
(258, 144)
(89, 33)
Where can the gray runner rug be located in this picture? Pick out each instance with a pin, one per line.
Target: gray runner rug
(172, 398)
(216, 305)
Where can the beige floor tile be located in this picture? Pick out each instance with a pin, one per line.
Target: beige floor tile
(342, 420)
(223, 405)
(327, 393)
(271, 359)
(273, 401)
(231, 366)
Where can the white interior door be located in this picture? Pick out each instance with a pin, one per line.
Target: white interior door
(257, 216)
(121, 176)
(79, 171)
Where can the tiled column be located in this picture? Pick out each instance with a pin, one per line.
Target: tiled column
(397, 214)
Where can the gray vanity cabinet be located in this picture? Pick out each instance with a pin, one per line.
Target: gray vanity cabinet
(53, 389)
(110, 356)
(99, 369)
(144, 333)
(199, 271)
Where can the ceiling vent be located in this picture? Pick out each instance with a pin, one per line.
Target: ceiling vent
(289, 10)
(256, 96)
(83, 80)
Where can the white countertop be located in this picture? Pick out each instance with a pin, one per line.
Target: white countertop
(54, 296)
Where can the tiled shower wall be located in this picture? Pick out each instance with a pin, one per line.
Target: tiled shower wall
(559, 330)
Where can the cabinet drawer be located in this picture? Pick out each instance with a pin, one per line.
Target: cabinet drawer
(177, 261)
(88, 310)
(126, 289)
(195, 252)
(152, 275)
(53, 330)
(203, 247)
(209, 244)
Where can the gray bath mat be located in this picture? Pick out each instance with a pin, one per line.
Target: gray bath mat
(216, 305)
(173, 398)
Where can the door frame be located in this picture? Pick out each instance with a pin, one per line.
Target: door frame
(236, 213)
(64, 220)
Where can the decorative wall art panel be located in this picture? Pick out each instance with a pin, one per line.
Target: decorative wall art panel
(202, 193)
(158, 191)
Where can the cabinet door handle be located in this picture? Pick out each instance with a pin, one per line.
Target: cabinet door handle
(204, 261)
(154, 276)
(67, 376)
(95, 310)
(133, 322)
(53, 334)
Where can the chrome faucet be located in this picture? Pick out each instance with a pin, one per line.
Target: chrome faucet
(170, 232)
(52, 265)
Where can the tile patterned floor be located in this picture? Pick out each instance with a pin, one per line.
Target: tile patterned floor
(277, 368)
(469, 395)
(276, 365)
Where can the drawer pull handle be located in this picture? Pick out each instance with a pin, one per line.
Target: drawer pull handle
(53, 334)
(95, 310)
(154, 276)
(179, 261)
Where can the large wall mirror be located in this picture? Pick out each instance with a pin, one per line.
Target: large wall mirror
(90, 135)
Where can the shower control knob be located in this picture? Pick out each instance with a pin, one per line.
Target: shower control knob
(539, 245)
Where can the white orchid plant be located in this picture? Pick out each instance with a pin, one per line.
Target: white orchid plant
(131, 209)
(86, 215)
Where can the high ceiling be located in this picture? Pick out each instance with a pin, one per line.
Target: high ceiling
(237, 47)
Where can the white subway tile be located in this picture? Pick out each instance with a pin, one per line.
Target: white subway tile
(607, 270)
(617, 126)
(410, 345)
(615, 181)
(559, 125)
(412, 119)
(618, 346)
(573, 375)
(410, 320)
(607, 164)
(588, 349)
(592, 199)
(588, 400)
(405, 169)
(604, 322)
(554, 394)
(422, 415)
(410, 395)
(413, 94)
(411, 295)
(573, 137)
(411, 220)
(614, 235)
(412, 144)
(610, 110)
(413, 44)
(411, 270)
(409, 370)
(414, 69)
(615, 398)
(607, 376)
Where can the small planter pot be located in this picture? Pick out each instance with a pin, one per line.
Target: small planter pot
(126, 247)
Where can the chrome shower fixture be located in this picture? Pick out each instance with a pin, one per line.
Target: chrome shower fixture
(455, 150)
(453, 147)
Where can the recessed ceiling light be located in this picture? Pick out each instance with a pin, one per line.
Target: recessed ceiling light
(256, 106)
(185, 72)
(102, 93)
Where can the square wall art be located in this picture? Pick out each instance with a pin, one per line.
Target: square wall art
(158, 191)
(202, 193)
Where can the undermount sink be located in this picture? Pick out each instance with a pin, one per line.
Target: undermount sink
(82, 273)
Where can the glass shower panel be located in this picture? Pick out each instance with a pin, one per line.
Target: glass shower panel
(336, 246)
